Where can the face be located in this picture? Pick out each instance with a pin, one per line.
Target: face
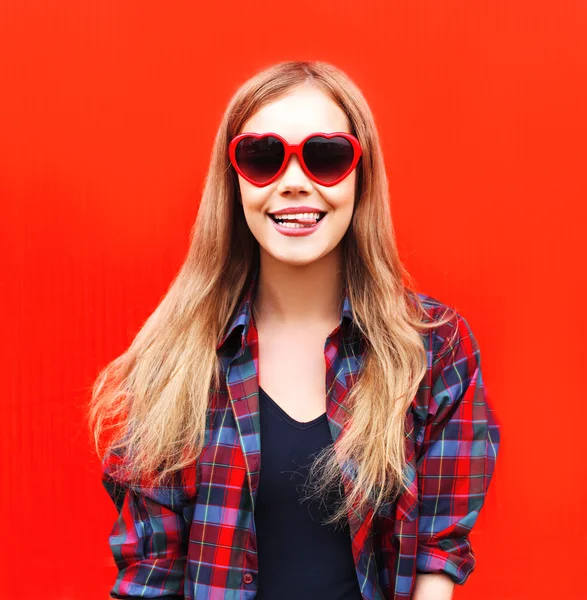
(303, 111)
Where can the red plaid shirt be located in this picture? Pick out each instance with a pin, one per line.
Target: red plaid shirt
(196, 539)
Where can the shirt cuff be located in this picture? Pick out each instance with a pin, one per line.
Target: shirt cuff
(456, 559)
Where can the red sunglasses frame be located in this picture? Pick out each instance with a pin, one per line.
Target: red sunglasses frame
(297, 150)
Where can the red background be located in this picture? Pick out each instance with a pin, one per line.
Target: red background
(108, 111)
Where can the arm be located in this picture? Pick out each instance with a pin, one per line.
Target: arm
(433, 586)
(457, 460)
(148, 539)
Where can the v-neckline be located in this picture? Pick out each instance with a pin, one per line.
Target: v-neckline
(286, 416)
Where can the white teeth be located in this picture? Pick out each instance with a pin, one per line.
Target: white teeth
(298, 216)
(282, 220)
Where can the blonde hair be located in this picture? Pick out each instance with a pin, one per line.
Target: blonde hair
(153, 399)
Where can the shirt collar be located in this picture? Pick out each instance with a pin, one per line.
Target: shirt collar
(242, 316)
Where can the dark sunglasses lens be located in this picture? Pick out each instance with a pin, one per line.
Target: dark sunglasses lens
(328, 158)
(260, 158)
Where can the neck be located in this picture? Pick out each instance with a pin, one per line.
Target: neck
(293, 296)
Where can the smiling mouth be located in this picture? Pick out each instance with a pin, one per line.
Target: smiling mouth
(285, 220)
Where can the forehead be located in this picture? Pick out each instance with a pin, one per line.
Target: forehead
(302, 111)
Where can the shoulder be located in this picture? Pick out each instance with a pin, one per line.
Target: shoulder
(452, 352)
(450, 336)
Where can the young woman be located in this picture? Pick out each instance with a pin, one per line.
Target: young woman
(294, 420)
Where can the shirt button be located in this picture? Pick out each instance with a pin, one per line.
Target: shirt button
(247, 578)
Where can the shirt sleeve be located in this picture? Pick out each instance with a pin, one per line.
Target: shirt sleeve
(458, 455)
(148, 539)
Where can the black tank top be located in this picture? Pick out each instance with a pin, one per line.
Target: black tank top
(299, 556)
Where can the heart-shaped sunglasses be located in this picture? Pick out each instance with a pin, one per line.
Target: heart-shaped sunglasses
(327, 158)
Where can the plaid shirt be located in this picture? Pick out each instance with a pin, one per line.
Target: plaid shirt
(196, 539)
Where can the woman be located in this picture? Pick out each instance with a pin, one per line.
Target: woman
(294, 420)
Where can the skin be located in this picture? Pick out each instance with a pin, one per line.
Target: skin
(300, 279)
(433, 586)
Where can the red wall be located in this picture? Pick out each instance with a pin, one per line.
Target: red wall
(108, 111)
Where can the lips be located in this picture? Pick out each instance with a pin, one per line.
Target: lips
(296, 210)
(299, 231)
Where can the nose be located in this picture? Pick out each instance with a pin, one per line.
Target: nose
(293, 179)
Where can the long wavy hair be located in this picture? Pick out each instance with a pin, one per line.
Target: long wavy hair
(150, 403)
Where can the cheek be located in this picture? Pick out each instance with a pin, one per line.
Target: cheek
(342, 196)
(252, 198)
